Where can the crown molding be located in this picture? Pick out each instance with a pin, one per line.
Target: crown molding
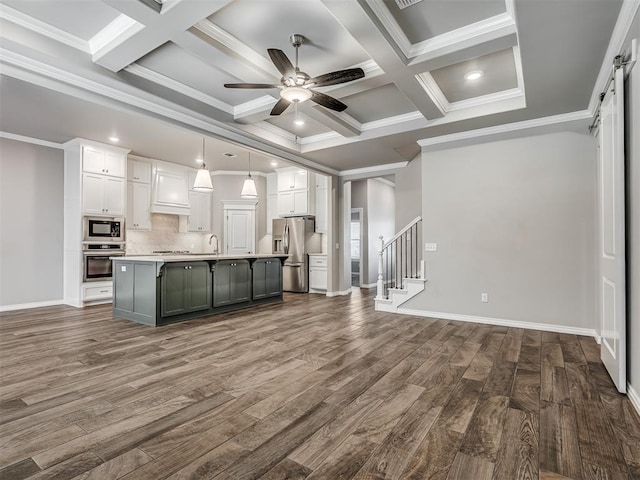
(30, 23)
(509, 127)
(493, 27)
(171, 84)
(431, 87)
(627, 14)
(392, 121)
(375, 169)
(34, 141)
(253, 106)
(486, 99)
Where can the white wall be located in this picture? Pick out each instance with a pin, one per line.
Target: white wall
(632, 152)
(514, 219)
(31, 223)
(408, 192)
(228, 187)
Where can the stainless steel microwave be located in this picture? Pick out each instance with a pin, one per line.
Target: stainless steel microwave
(103, 229)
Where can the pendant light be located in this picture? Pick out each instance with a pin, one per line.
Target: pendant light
(203, 177)
(249, 187)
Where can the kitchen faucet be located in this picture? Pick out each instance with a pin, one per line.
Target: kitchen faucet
(215, 250)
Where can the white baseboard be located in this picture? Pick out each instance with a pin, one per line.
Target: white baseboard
(369, 285)
(338, 294)
(588, 332)
(634, 397)
(22, 306)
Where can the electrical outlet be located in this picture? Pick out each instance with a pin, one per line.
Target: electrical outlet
(484, 297)
(337, 246)
(430, 247)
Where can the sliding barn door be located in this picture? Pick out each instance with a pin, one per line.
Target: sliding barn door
(612, 232)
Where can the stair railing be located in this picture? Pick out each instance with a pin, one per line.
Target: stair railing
(400, 258)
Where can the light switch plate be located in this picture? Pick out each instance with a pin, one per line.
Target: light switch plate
(430, 247)
(123, 268)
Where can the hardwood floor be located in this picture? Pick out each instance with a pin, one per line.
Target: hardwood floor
(315, 388)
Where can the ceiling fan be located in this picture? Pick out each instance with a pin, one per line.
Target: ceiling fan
(295, 85)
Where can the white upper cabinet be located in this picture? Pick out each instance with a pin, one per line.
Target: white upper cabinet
(138, 202)
(292, 179)
(139, 171)
(102, 195)
(200, 218)
(322, 204)
(103, 162)
(295, 197)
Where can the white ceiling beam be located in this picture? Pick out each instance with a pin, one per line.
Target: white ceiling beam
(342, 123)
(158, 28)
(364, 30)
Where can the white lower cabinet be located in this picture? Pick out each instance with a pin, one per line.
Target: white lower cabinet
(102, 195)
(317, 272)
(138, 204)
(97, 291)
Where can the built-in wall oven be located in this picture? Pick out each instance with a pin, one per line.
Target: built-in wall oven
(103, 229)
(96, 261)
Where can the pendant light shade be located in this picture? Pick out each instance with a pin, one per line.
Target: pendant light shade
(249, 187)
(202, 182)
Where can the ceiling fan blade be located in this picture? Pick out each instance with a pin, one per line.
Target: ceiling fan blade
(333, 78)
(282, 62)
(327, 101)
(250, 85)
(280, 106)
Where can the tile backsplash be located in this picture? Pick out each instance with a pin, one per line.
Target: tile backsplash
(165, 235)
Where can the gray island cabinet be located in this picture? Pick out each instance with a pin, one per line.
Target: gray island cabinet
(158, 290)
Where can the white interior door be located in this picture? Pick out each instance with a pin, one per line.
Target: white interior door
(240, 232)
(612, 232)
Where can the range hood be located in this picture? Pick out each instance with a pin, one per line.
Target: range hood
(170, 189)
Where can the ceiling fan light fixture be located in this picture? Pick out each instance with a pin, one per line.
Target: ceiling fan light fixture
(295, 94)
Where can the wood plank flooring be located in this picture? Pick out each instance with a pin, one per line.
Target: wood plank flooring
(312, 388)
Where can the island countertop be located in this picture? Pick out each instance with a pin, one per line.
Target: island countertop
(193, 257)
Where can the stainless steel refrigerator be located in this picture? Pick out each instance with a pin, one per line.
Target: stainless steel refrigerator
(295, 236)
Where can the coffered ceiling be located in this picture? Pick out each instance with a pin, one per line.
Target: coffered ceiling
(166, 63)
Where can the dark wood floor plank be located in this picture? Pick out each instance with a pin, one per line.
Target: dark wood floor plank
(559, 447)
(345, 461)
(313, 387)
(517, 458)
(482, 438)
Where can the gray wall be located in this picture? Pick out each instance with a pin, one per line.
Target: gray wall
(359, 200)
(408, 193)
(514, 219)
(31, 223)
(228, 187)
(632, 152)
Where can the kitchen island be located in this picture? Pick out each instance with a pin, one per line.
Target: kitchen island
(156, 290)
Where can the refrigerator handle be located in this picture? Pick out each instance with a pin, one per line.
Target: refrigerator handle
(285, 238)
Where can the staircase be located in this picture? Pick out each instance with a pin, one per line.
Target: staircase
(401, 273)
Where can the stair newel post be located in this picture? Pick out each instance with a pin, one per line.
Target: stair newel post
(380, 283)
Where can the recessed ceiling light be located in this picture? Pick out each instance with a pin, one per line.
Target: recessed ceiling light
(475, 75)
(198, 160)
(114, 139)
(274, 163)
(299, 122)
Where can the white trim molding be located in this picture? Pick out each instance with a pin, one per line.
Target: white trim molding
(24, 306)
(215, 173)
(634, 398)
(339, 294)
(34, 141)
(376, 168)
(582, 115)
(545, 327)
